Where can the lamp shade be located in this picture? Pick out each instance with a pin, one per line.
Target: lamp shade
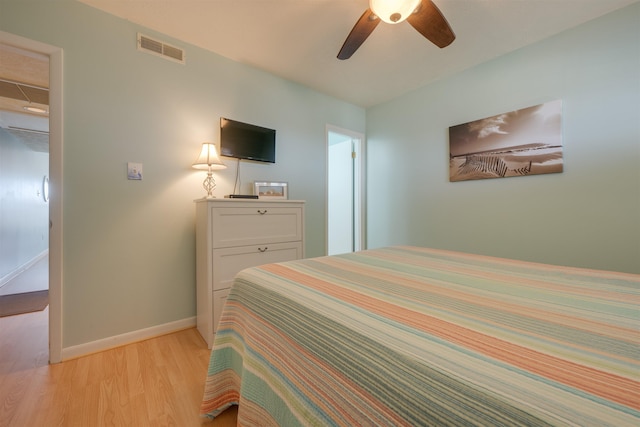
(208, 158)
(393, 11)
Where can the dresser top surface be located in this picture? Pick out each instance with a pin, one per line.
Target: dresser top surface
(263, 200)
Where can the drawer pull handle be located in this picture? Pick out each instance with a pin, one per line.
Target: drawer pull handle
(263, 250)
(262, 212)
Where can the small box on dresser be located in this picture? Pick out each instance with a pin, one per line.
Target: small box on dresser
(234, 234)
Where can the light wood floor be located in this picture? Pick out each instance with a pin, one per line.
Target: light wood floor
(158, 382)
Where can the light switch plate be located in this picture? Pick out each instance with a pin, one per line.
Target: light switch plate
(134, 171)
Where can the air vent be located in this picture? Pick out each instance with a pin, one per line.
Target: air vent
(159, 48)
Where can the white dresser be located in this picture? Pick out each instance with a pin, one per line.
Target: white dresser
(234, 234)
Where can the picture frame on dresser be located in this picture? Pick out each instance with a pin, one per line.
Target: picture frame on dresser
(271, 190)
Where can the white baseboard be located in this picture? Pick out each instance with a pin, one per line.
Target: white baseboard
(128, 338)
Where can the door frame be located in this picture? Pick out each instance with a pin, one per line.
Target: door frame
(359, 187)
(55, 183)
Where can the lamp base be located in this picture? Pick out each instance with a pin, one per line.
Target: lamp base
(209, 184)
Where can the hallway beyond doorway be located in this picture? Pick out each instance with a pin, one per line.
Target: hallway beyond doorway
(34, 278)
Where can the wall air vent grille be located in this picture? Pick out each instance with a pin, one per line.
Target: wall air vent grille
(158, 48)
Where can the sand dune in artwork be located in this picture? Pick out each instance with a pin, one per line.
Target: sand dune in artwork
(506, 163)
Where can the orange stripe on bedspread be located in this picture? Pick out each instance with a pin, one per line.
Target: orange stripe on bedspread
(613, 331)
(609, 386)
(230, 383)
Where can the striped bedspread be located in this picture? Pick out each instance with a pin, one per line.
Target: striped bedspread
(414, 336)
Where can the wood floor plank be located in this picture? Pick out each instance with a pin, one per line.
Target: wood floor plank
(133, 371)
(155, 382)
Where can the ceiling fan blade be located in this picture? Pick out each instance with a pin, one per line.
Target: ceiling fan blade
(359, 33)
(431, 23)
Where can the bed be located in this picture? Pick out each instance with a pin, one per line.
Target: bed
(415, 336)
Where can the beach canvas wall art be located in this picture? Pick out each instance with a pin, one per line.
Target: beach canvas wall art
(519, 143)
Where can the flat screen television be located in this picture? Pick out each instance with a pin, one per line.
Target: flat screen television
(245, 141)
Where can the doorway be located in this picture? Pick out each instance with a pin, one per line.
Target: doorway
(24, 171)
(53, 181)
(345, 191)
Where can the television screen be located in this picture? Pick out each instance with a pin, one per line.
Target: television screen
(245, 141)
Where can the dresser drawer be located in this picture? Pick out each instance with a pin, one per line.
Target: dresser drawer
(227, 262)
(239, 226)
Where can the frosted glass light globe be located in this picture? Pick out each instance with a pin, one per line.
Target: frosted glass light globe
(393, 11)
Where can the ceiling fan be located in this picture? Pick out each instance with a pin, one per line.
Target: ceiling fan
(423, 15)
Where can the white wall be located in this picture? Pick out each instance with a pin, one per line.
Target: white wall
(587, 216)
(129, 246)
(24, 214)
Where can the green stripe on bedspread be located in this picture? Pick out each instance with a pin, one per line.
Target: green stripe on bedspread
(414, 336)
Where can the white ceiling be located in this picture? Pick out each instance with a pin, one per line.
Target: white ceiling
(32, 69)
(299, 39)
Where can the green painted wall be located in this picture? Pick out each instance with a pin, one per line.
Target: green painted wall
(129, 260)
(588, 216)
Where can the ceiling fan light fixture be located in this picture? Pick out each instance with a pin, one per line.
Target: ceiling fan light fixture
(393, 11)
(422, 15)
(33, 109)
